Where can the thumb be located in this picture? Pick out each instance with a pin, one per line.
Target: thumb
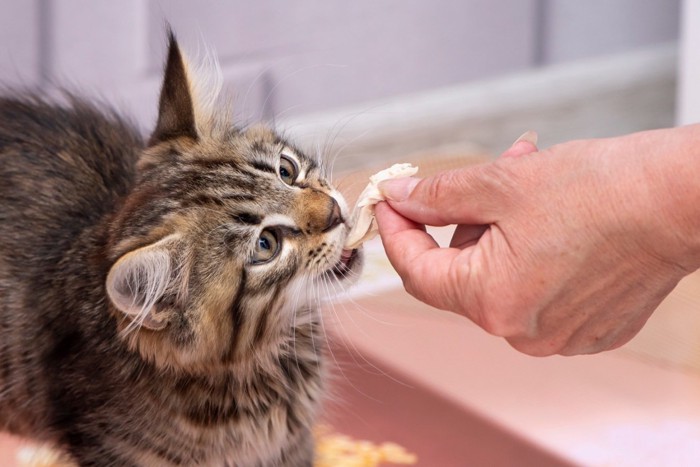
(463, 196)
(525, 144)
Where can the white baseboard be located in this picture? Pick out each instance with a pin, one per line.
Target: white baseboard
(589, 98)
(689, 65)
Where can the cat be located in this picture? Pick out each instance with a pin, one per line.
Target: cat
(159, 298)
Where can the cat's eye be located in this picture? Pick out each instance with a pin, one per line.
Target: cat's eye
(266, 247)
(288, 170)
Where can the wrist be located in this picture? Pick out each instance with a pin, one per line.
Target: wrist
(674, 177)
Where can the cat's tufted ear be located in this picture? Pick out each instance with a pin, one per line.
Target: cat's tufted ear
(176, 116)
(138, 281)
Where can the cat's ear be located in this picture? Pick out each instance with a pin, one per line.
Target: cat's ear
(176, 116)
(138, 281)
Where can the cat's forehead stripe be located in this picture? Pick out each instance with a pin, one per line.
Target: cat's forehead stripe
(279, 220)
(263, 166)
(248, 218)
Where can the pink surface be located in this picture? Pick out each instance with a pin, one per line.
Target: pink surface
(8, 447)
(372, 404)
(606, 409)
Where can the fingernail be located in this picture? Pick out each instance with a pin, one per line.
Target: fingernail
(529, 137)
(398, 189)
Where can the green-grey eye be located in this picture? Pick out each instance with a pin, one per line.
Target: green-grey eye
(266, 247)
(288, 170)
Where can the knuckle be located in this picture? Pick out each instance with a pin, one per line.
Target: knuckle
(442, 185)
(448, 184)
(408, 286)
(502, 175)
(412, 285)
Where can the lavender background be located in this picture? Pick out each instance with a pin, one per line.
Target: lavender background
(288, 58)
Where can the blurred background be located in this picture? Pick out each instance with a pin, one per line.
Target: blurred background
(377, 78)
(440, 83)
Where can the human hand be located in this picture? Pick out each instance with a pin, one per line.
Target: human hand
(568, 250)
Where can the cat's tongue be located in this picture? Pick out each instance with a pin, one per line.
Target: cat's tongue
(345, 262)
(346, 256)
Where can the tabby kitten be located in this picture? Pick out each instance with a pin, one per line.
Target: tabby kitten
(159, 301)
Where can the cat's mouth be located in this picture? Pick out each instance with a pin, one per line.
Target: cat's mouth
(348, 259)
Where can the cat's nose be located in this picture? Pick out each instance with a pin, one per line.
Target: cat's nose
(316, 211)
(334, 217)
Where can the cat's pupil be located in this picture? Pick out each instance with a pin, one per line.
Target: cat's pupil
(267, 247)
(288, 170)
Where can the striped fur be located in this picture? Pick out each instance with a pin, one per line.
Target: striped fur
(137, 324)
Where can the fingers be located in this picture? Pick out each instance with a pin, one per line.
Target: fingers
(467, 235)
(424, 267)
(402, 237)
(525, 144)
(468, 196)
(463, 196)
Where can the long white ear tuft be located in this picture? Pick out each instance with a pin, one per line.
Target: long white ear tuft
(205, 80)
(138, 280)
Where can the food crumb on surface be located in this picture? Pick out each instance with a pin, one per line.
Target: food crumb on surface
(337, 450)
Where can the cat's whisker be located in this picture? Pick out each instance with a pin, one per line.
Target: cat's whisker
(262, 74)
(348, 143)
(321, 161)
(353, 276)
(338, 365)
(363, 362)
(353, 351)
(340, 126)
(282, 113)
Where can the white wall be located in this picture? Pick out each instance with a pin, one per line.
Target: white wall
(582, 29)
(20, 48)
(332, 53)
(285, 58)
(689, 69)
